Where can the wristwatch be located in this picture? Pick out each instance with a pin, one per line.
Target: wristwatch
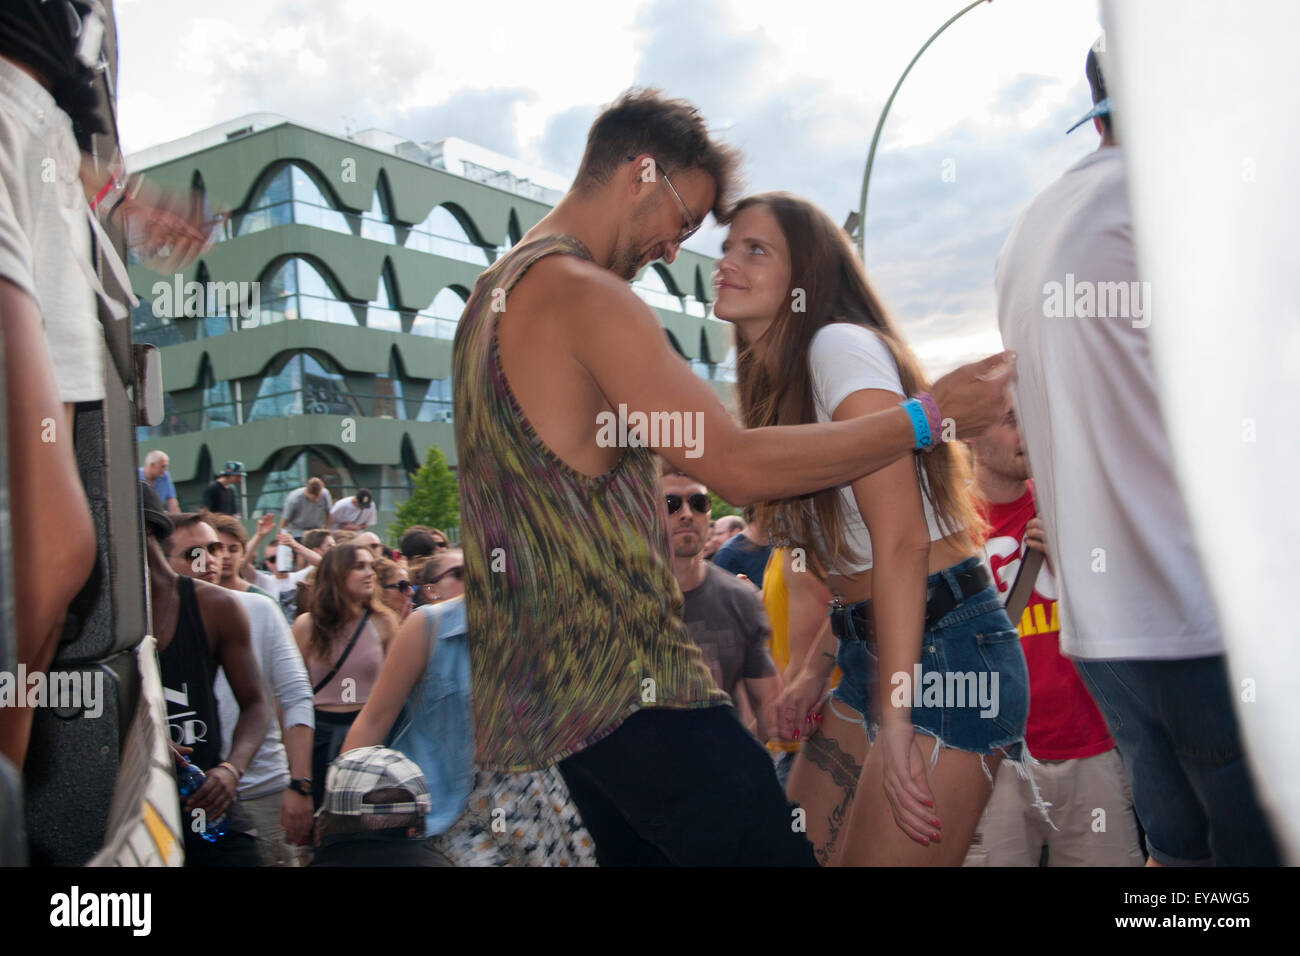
(301, 785)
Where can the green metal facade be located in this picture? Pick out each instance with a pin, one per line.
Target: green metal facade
(369, 444)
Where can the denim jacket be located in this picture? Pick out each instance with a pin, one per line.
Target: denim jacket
(439, 733)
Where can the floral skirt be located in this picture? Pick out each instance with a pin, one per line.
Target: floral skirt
(519, 819)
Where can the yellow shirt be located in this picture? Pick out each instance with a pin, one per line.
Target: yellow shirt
(777, 602)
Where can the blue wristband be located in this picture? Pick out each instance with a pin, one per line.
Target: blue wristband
(920, 423)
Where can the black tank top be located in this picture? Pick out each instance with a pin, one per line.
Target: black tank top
(188, 672)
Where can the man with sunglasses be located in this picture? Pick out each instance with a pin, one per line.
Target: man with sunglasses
(579, 656)
(722, 611)
(279, 817)
(200, 627)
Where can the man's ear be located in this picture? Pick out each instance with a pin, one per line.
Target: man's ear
(643, 171)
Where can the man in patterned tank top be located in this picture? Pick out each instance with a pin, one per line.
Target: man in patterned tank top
(579, 653)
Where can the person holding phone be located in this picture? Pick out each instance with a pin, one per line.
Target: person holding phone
(279, 579)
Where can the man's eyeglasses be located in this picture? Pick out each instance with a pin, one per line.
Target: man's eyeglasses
(213, 548)
(689, 228)
(699, 503)
(403, 586)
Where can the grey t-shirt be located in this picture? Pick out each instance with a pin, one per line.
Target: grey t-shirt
(726, 619)
(301, 514)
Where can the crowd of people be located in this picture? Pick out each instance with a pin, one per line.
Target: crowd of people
(851, 674)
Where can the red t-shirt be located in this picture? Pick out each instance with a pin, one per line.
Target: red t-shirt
(1064, 723)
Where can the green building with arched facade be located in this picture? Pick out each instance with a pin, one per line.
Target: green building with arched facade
(313, 338)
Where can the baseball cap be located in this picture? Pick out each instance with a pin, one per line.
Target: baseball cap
(358, 772)
(1095, 68)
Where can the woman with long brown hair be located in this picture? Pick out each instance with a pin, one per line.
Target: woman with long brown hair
(914, 608)
(342, 639)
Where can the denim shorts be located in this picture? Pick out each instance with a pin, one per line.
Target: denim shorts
(970, 689)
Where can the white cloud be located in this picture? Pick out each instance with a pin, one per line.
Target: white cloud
(798, 86)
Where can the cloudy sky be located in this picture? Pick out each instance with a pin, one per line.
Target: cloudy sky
(976, 131)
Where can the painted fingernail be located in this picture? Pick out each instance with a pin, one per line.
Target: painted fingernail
(935, 837)
(796, 735)
(819, 718)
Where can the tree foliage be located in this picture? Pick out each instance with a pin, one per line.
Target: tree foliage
(435, 497)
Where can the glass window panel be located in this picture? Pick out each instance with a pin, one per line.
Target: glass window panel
(442, 234)
(325, 391)
(381, 314)
(654, 291)
(218, 406)
(375, 224)
(394, 487)
(436, 406)
(440, 319)
(280, 394)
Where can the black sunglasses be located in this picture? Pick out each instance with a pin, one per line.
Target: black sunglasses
(458, 572)
(403, 586)
(698, 502)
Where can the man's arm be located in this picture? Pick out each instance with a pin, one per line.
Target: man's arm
(173, 506)
(631, 362)
(234, 654)
(248, 570)
(226, 622)
(761, 679)
(292, 689)
(304, 552)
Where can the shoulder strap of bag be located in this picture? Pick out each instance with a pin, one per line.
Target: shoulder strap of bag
(344, 656)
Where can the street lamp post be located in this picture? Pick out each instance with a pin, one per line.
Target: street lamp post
(880, 124)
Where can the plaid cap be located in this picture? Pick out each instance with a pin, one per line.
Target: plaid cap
(357, 772)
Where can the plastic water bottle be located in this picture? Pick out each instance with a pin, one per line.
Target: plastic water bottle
(189, 780)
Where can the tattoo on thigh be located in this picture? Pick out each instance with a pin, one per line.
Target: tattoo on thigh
(831, 758)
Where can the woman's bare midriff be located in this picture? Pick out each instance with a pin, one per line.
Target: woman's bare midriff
(944, 553)
(339, 708)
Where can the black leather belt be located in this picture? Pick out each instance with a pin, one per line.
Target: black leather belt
(939, 601)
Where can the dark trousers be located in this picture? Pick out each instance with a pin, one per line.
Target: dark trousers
(1174, 725)
(327, 740)
(685, 788)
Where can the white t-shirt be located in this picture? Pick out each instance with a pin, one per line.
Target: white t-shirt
(1117, 530)
(347, 512)
(842, 359)
(285, 678)
(284, 590)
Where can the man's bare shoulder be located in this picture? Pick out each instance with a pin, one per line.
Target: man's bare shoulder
(218, 603)
(578, 288)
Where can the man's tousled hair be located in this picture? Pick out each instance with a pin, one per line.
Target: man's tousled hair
(670, 130)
